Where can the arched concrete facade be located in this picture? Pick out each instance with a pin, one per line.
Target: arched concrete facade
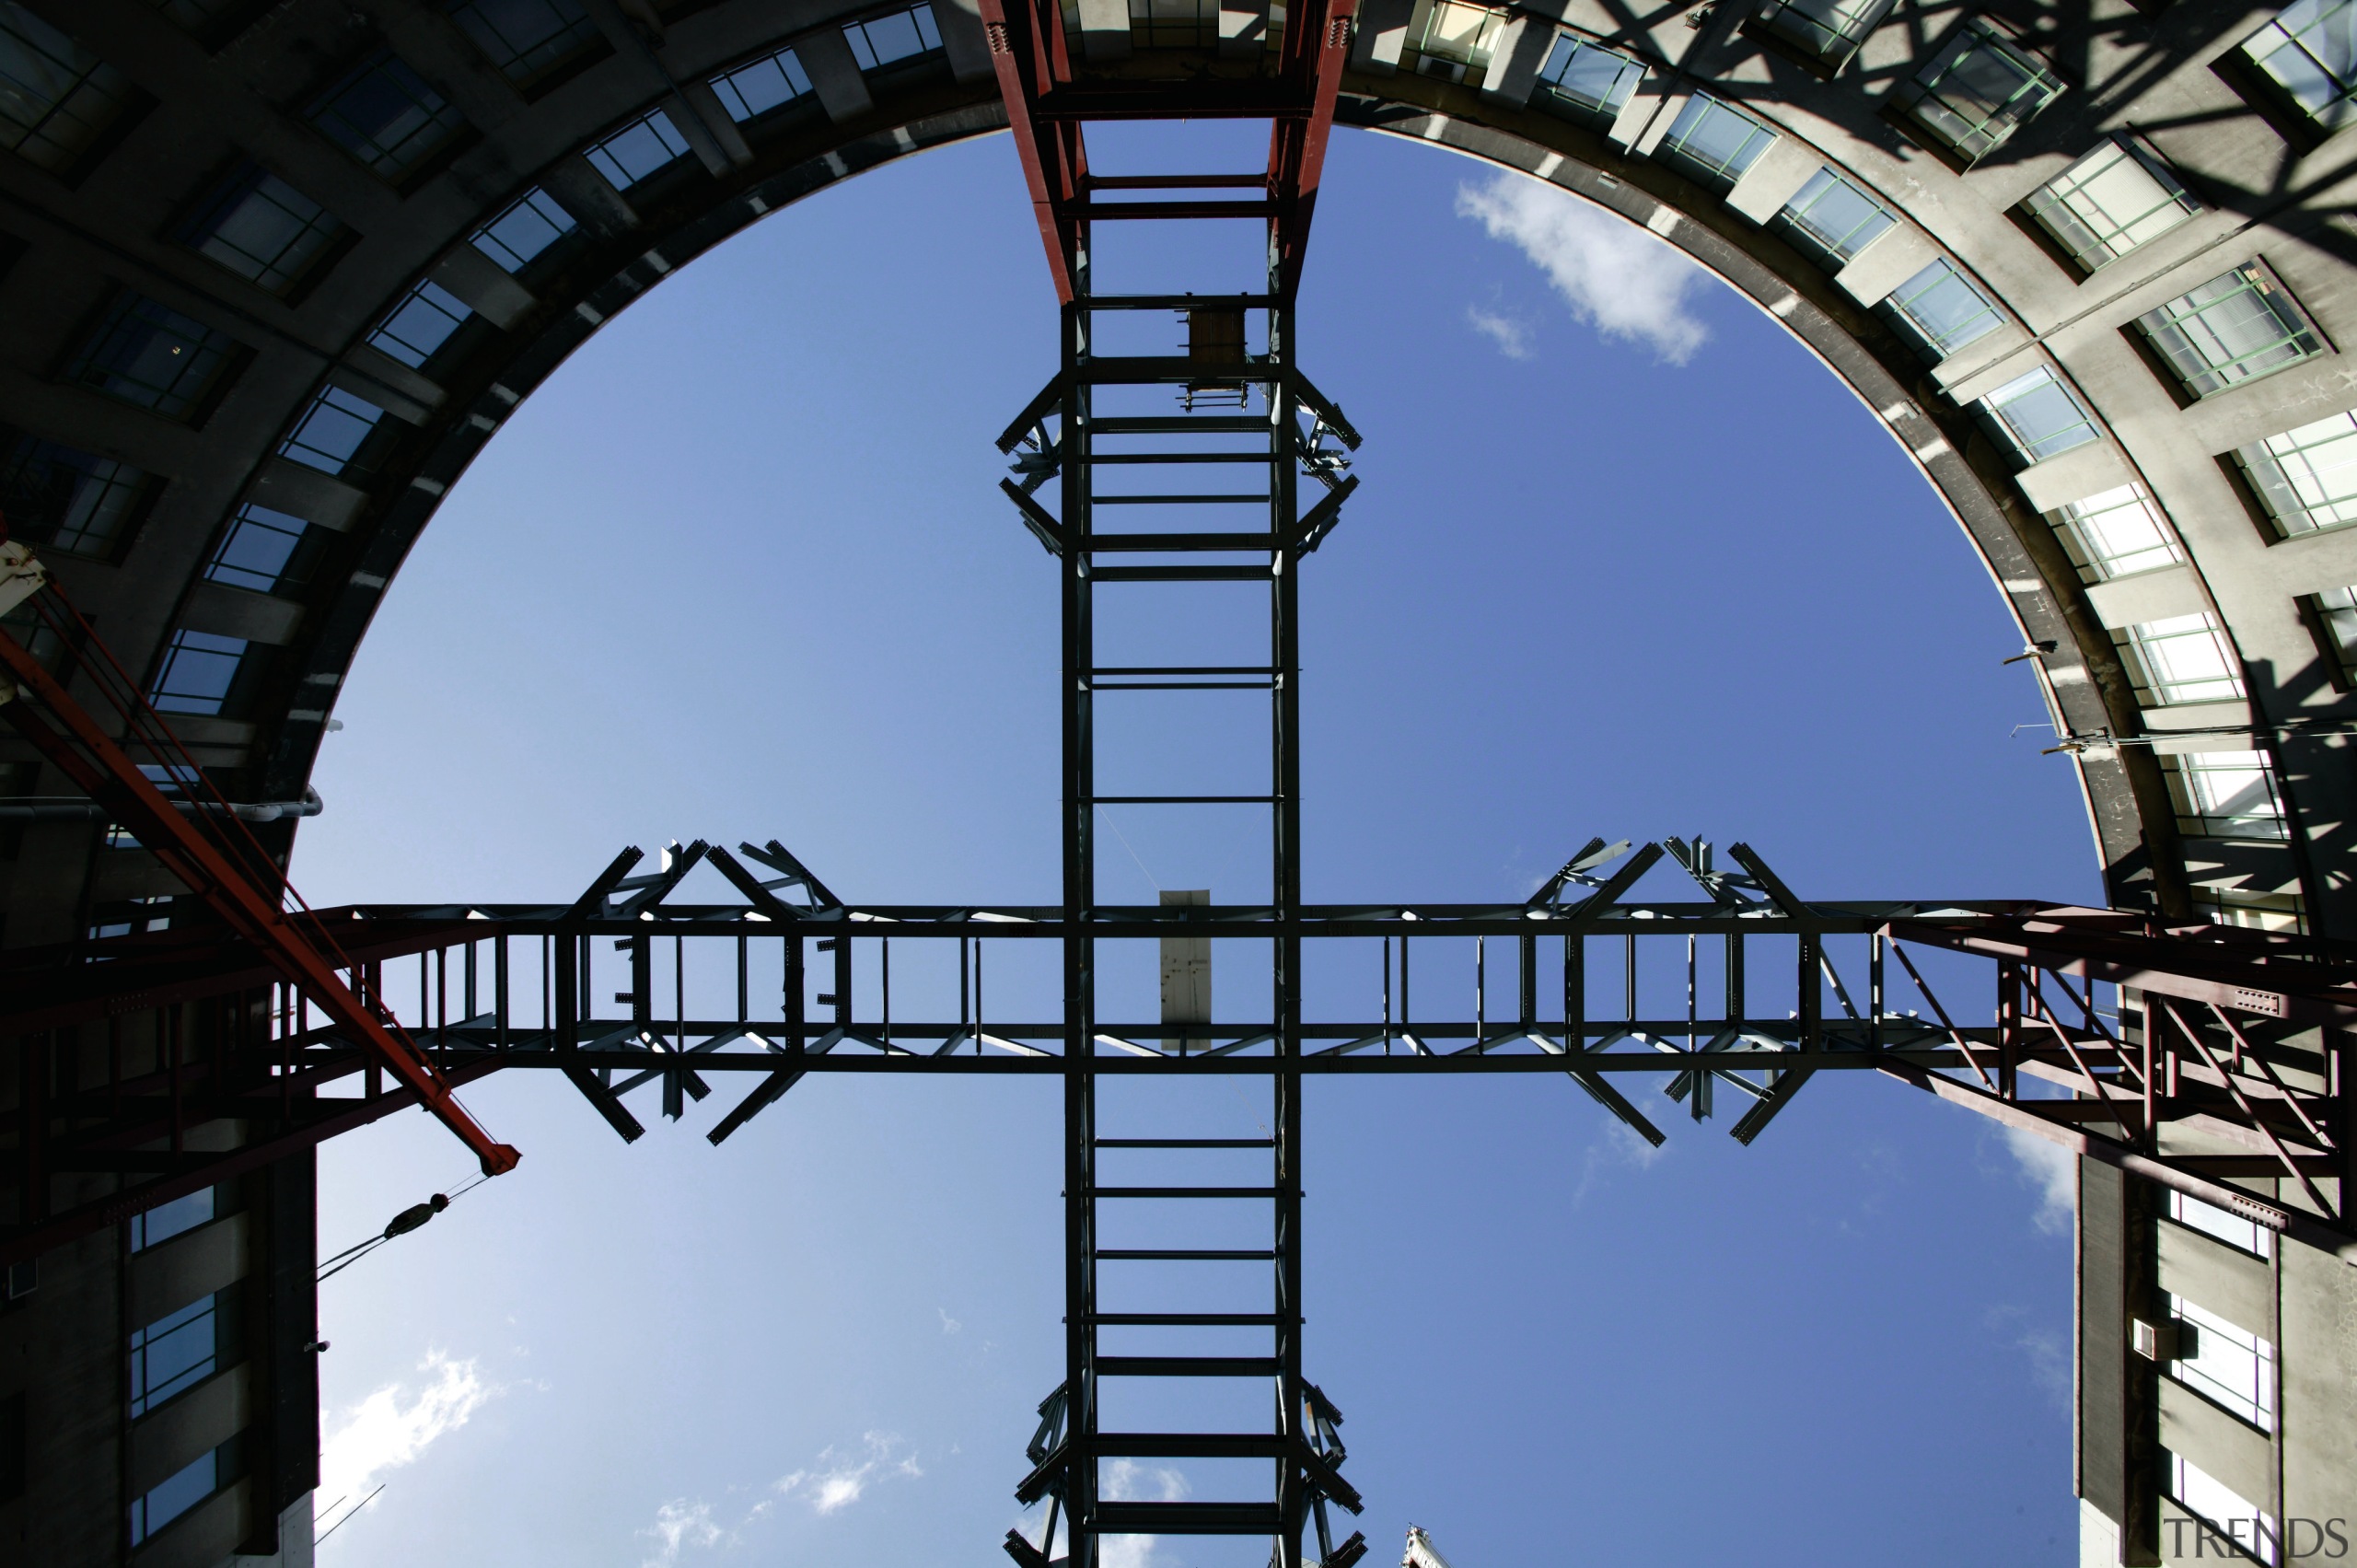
(407, 304)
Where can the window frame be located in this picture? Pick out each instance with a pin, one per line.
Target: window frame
(93, 77)
(1830, 47)
(1678, 152)
(2033, 452)
(2197, 811)
(603, 156)
(1897, 307)
(1976, 34)
(2268, 488)
(539, 201)
(21, 450)
(231, 196)
(1602, 114)
(2252, 279)
(2155, 689)
(1831, 253)
(2041, 203)
(221, 357)
(443, 130)
(786, 66)
(2075, 522)
(581, 42)
(200, 699)
(2324, 119)
(871, 60)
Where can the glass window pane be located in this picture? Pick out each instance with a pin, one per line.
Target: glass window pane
(171, 1498)
(2206, 1497)
(1832, 219)
(196, 673)
(1714, 140)
(262, 229)
(525, 38)
(421, 324)
(646, 145)
(2310, 51)
(532, 224)
(175, 1352)
(2185, 660)
(2231, 330)
(385, 115)
(1591, 81)
(2038, 415)
(265, 550)
(2227, 795)
(2213, 1221)
(1465, 35)
(2120, 532)
(152, 357)
(2229, 1365)
(1939, 311)
(64, 500)
(753, 90)
(1981, 89)
(56, 97)
(1832, 29)
(887, 39)
(2306, 478)
(333, 431)
(2110, 201)
(166, 1221)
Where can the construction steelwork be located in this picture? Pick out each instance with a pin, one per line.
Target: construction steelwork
(209, 1029)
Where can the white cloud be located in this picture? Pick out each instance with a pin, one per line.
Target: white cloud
(390, 1429)
(679, 1524)
(2054, 1171)
(1622, 280)
(948, 1325)
(1126, 1481)
(1512, 337)
(1619, 1148)
(835, 1480)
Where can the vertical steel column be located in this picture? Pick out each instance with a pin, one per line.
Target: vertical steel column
(1080, 899)
(1286, 884)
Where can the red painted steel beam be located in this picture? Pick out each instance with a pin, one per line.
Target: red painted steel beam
(87, 755)
(1297, 147)
(1025, 63)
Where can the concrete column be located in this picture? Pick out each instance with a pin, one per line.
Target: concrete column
(1522, 50)
(484, 286)
(834, 74)
(1243, 27)
(583, 192)
(963, 40)
(1382, 34)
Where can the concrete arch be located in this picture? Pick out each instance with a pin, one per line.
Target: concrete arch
(112, 230)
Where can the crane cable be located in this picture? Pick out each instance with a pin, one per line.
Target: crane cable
(408, 1220)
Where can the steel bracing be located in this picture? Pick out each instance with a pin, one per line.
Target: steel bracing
(2212, 1061)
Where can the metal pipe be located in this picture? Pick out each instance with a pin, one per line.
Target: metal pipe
(74, 809)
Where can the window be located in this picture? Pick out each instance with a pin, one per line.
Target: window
(2225, 794)
(2184, 658)
(2332, 615)
(2119, 533)
(1588, 82)
(640, 149)
(525, 38)
(2110, 201)
(1831, 29)
(174, 1353)
(35, 637)
(56, 98)
(2038, 415)
(2210, 1500)
(131, 917)
(771, 82)
(1174, 24)
(1456, 40)
(890, 39)
(531, 225)
(1939, 311)
(261, 228)
(421, 324)
(171, 1498)
(1832, 219)
(166, 1221)
(199, 673)
(1977, 91)
(2212, 1221)
(69, 501)
(2229, 1363)
(385, 115)
(2308, 51)
(1714, 141)
(153, 357)
(333, 434)
(2234, 328)
(266, 551)
(2306, 478)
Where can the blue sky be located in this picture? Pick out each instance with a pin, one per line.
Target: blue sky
(1626, 560)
